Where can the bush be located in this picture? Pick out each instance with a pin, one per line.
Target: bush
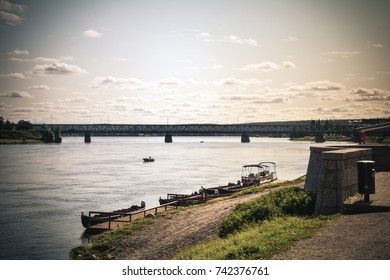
(288, 201)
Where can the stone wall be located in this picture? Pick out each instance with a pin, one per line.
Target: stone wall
(332, 175)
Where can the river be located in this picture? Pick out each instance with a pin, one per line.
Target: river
(45, 187)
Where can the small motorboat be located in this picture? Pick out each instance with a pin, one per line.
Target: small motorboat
(148, 159)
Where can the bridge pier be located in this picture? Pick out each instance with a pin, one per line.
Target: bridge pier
(168, 138)
(245, 138)
(87, 137)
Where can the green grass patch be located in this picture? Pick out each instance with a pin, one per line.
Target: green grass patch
(257, 240)
(19, 141)
(288, 201)
(262, 188)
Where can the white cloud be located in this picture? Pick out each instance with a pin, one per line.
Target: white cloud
(291, 39)
(268, 66)
(16, 94)
(90, 33)
(58, 68)
(343, 54)
(237, 40)
(374, 94)
(202, 36)
(12, 14)
(114, 82)
(323, 85)
(40, 87)
(19, 52)
(169, 82)
(75, 100)
(231, 81)
(120, 59)
(375, 45)
(18, 76)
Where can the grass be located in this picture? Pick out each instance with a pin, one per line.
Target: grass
(19, 141)
(105, 245)
(257, 240)
(260, 228)
(262, 188)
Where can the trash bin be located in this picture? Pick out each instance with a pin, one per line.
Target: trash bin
(366, 177)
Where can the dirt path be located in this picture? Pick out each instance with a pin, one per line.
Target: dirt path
(167, 236)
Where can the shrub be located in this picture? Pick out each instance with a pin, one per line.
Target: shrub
(288, 201)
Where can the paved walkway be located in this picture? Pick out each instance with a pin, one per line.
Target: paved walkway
(362, 234)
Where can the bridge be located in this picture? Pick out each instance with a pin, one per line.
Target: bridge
(278, 129)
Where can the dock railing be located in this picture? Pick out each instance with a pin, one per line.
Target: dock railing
(126, 217)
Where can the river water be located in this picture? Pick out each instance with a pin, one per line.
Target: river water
(45, 187)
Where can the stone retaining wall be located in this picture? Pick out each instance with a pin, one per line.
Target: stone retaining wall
(332, 175)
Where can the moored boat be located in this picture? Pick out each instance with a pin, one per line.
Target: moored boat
(101, 217)
(256, 174)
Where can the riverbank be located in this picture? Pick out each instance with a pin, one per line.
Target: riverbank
(361, 232)
(164, 237)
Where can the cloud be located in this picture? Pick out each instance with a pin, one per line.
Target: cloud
(75, 100)
(19, 52)
(16, 94)
(343, 54)
(268, 66)
(374, 94)
(237, 40)
(169, 82)
(40, 87)
(120, 59)
(12, 14)
(17, 76)
(206, 37)
(255, 99)
(374, 45)
(58, 68)
(42, 59)
(231, 81)
(90, 33)
(323, 85)
(114, 82)
(202, 36)
(291, 39)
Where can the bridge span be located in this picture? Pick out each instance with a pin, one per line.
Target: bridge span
(287, 129)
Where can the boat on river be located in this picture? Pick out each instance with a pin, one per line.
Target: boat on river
(148, 159)
(102, 217)
(256, 174)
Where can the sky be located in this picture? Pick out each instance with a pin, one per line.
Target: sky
(203, 61)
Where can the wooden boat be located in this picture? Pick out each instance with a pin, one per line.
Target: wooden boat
(101, 217)
(256, 174)
(218, 190)
(148, 159)
(180, 198)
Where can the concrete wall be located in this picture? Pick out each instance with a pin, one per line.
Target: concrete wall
(332, 175)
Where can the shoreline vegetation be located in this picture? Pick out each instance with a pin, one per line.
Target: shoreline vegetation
(267, 224)
(23, 133)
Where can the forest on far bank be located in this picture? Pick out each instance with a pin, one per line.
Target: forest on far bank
(23, 133)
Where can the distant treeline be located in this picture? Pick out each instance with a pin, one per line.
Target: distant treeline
(23, 131)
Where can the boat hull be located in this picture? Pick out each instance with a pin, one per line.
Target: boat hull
(89, 221)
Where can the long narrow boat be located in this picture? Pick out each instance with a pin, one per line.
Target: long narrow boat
(89, 221)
